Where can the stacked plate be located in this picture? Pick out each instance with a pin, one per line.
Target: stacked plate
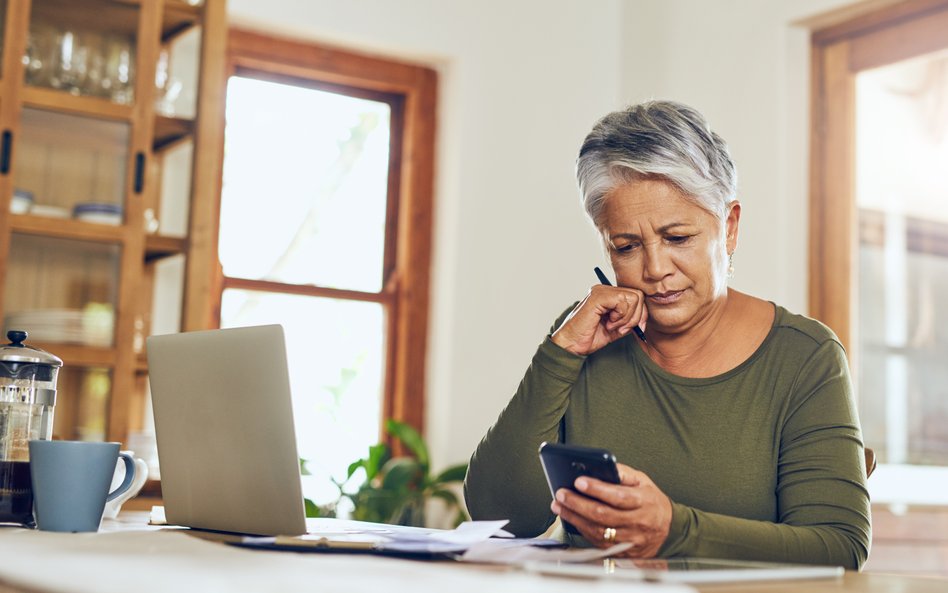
(98, 212)
(90, 327)
(22, 201)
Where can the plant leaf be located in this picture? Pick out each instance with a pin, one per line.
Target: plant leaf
(353, 468)
(304, 471)
(448, 497)
(455, 473)
(312, 509)
(378, 455)
(375, 505)
(402, 473)
(410, 437)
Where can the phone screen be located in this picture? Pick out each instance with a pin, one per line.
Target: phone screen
(562, 464)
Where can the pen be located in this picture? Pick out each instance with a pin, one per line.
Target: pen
(604, 280)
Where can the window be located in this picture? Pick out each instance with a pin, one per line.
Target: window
(879, 234)
(325, 225)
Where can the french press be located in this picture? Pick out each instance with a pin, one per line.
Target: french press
(27, 398)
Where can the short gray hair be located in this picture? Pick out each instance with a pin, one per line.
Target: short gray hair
(661, 139)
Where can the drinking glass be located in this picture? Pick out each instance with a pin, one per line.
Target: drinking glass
(119, 69)
(70, 63)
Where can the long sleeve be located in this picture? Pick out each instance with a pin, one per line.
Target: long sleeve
(505, 479)
(822, 501)
(762, 462)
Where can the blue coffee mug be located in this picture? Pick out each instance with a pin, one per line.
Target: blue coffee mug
(71, 482)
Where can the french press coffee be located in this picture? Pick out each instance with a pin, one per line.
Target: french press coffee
(27, 399)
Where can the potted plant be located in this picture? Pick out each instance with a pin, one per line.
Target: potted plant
(396, 489)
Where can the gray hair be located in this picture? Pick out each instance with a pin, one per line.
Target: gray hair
(656, 139)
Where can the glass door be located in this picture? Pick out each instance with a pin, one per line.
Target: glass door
(902, 209)
(879, 236)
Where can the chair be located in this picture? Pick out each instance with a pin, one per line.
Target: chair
(870, 461)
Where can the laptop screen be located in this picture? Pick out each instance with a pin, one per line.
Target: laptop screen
(224, 425)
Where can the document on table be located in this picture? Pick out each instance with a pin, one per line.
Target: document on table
(472, 541)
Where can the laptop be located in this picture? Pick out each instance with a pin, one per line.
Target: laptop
(224, 425)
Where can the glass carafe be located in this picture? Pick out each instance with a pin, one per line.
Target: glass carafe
(27, 400)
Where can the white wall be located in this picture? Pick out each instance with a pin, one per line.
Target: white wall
(521, 83)
(745, 65)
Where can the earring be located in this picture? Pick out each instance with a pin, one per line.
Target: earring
(730, 265)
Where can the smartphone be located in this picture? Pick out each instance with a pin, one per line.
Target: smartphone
(562, 464)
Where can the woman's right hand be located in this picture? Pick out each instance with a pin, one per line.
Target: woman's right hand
(605, 315)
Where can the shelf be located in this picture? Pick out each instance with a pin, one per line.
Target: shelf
(75, 355)
(178, 17)
(170, 130)
(54, 100)
(121, 18)
(157, 246)
(66, 228)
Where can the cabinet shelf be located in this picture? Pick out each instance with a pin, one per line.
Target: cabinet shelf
(54, 100)
(157, 246)
(122, 20)
(76, 355)
(170, 130)
(178, 18)
(66, 228)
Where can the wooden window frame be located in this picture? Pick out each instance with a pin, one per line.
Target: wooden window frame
(407, 261)
(839, 53)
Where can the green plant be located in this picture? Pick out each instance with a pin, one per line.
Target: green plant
(396, 489)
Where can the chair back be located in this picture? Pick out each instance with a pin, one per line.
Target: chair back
(870, 461)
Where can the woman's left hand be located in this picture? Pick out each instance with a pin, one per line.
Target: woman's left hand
(637, 511)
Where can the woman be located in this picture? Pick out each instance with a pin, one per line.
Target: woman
(734, 419)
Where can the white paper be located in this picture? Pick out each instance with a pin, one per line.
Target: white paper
(410, 540)
(472, 532)
(501, 552)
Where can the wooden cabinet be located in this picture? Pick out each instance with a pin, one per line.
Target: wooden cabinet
(111, 119)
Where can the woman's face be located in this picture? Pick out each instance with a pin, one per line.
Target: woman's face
(672, 250)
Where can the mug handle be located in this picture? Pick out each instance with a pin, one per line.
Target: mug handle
(129, 476)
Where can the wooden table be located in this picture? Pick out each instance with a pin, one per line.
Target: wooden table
(85, 562)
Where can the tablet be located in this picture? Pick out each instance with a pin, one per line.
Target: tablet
(687, 570)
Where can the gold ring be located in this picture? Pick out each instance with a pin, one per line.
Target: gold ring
(609, 534)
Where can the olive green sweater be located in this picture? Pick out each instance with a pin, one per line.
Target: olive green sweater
(763, 462)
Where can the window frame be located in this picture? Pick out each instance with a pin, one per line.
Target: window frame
(839, 52)
(411, 91)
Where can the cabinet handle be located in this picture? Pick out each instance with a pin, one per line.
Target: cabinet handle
(6, 147)
(139, 172)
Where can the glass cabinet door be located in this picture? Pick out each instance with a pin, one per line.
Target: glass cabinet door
(62, 291)
(71, 166)
(83, 48)
(176, 85)
(82, 403)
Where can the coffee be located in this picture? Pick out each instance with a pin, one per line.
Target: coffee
(16, 493)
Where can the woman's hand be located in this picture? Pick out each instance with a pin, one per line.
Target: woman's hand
(605, 315)
(635, 508)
